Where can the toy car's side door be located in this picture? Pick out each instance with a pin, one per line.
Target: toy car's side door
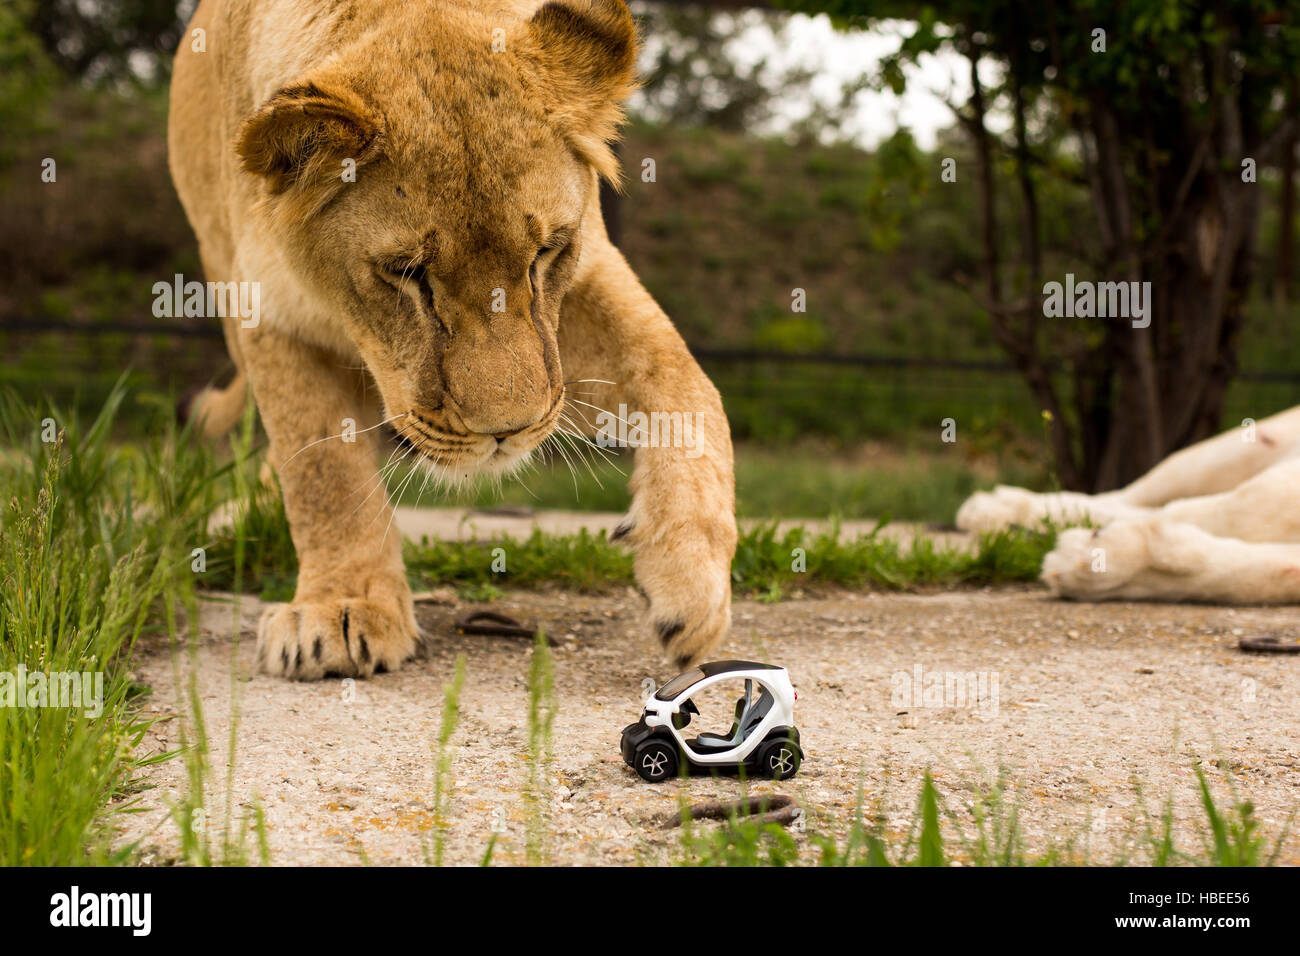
(733, 751)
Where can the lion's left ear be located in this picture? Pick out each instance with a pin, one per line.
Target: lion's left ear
(584, 53)
(302, 135)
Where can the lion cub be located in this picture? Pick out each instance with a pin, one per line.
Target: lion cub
(414, 188)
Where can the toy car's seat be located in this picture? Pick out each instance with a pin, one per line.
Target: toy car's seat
(749, 714)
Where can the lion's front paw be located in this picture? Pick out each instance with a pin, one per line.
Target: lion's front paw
(350, 637)
(691, 618)
(683, 567)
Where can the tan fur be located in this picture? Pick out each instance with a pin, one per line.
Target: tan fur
(477, 173)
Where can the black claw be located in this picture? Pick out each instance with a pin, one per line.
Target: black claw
(365, 649)
(297, 658)
(669, 629)
(625, 527)
(284, 659)
(315, 649)
(346, 645)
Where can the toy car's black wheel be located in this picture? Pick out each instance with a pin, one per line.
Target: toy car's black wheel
(655, 761)
(779, 759)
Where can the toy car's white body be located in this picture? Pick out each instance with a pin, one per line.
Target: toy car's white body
(763, 736)
(659, 712)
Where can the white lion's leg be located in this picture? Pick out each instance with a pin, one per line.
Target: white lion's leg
(1263, 508)
(1159, 560)
(1210, 467)
(1005, 506)
(1221, 463)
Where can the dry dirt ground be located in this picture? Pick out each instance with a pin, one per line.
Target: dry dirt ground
(1090, 703)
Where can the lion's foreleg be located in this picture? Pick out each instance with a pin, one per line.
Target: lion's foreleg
(352, 611)
(682, 524)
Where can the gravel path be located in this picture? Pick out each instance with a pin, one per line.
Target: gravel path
(1079, 702)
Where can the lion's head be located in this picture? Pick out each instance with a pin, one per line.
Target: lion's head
(431, 181)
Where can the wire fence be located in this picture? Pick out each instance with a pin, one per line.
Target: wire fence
(769, 395)
(702, 353)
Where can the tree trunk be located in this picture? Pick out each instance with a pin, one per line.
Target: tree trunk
(1284, 281)
(1199, 286)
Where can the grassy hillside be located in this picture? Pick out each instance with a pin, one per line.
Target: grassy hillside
(725, 233)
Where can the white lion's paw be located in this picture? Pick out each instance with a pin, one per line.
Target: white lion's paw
(995, 510)
(1082, 566)
(1139, 560)
(1005, 506)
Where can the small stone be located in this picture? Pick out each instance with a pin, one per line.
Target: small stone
(443, 595)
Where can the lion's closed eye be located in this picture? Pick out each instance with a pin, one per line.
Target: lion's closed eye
(558, 245)
(398, 272)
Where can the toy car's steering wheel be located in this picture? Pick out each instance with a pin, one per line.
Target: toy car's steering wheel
(683, 716)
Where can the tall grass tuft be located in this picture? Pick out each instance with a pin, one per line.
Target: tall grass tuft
(540, 756)
(443, 753)
(1228, 837)
(95, 540)
(1232, 838)
(193, 816)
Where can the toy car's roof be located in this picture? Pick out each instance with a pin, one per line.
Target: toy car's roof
(693, 676)
(719, 667)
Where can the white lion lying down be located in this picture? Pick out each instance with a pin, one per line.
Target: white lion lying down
(1216, 522)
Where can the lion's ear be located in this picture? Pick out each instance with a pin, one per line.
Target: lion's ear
(584, 52)
(303, 134)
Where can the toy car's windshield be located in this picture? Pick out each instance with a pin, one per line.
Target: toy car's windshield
(680, 683)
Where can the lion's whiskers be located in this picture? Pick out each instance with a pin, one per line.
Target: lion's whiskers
(384, 474)
(312, 444)
(393, 499)
(555, 439)
(577, 432)
(619, 418)
(568, 438)
(584, 446)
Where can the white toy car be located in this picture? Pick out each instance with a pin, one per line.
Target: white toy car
(763, 738)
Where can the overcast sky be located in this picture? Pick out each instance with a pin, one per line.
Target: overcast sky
(839, 57)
